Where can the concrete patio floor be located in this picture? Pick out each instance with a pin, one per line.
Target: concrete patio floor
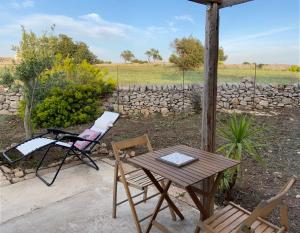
(79, 201)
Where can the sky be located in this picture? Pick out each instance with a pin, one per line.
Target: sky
(261, 31)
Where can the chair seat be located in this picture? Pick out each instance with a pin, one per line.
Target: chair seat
(228, 220)
(139, 179)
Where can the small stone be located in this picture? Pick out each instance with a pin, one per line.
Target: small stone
(298, 152)
(111, 154)
(30, 176)
(103, 151)
(28, 171)
(19, 173)
(298, 196)
(132, 153)
(264, 103)
(277, 175)
(103, 144)
(164, 111)
(6, 169)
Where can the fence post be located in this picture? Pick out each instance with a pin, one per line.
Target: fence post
(254, 85)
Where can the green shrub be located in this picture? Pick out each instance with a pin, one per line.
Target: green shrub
(294, 68)
(75, 104)
(6, 78)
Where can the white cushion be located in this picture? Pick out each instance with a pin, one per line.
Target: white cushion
(106, 121)
(34, 144)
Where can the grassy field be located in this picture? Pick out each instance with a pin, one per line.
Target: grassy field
(129, 74)
(166, 74)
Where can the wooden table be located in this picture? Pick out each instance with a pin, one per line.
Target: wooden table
(207, 166)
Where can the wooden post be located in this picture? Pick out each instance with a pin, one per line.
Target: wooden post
(209, 104)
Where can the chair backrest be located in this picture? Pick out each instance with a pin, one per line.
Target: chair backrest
(266, 207)
(130, 143)
(100, 127)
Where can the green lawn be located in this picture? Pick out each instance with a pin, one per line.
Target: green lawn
(165, 74)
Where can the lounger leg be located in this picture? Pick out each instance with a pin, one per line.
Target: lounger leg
(93, 165)
(54, 178)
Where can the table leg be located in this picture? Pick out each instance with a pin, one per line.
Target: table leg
(157, 208)
(199, 205)
(161, 190)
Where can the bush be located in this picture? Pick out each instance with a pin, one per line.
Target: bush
(6, 78)
(294, 68)
(75, 104)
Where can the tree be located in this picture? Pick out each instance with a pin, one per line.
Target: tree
(222, 56)
(189, 53)
(154, 54)
(127, 55)
(79, 51)
(36, 54)
(149, 55)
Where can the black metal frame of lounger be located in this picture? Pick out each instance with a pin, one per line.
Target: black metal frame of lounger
(71, 137)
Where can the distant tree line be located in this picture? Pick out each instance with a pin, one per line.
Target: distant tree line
(188, 54)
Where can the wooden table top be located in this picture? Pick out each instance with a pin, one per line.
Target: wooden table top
(208, 164)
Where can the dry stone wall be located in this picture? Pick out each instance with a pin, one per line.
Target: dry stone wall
(9, 101)
(167, 99)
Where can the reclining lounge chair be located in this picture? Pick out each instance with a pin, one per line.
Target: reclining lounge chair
(80, 145)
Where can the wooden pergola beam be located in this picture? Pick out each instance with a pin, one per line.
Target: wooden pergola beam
(227, 3)
(221, 3)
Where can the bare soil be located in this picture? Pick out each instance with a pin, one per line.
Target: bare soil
(257, 182)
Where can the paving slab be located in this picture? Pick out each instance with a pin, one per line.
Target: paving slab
(79, 201)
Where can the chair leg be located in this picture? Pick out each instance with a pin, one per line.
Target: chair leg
(115, 190)
(93, 165)
(171, 211)
(58, 170)
(132, 207)
(145, 194)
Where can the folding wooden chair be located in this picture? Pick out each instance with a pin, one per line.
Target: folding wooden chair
(235, 219)
(136, 179)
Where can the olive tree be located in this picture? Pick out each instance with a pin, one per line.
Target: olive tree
(35, 54)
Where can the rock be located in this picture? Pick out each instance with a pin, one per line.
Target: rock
(30, 176)
(28, 171)
(298, 196)
(17, 179)
(277, 175)
(286, 101)
(132, 154)
(14, 104)
(145, 112)
(103, 151)
(103, 145)
(235, 101)
(243, 103)
(164, 111)
(19, 173)
(111, 154)
(6, 169)
(264, 103)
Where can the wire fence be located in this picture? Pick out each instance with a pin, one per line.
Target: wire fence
(165, 74)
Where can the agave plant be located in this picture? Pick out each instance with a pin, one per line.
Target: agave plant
(241, 137)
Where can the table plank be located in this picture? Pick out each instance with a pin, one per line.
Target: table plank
(208, 164)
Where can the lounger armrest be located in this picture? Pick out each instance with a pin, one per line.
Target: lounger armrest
(58, 131)
(73, 138)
